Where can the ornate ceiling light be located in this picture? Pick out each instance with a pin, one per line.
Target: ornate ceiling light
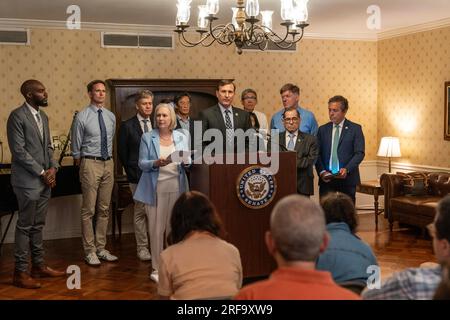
(244, 29)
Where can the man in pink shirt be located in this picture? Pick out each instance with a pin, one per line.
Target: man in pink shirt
(296, 238)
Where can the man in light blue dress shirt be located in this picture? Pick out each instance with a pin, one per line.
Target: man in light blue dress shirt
(92, 140)
(290, 97)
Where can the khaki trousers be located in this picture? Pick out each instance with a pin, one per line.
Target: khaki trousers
(97, 181)
(159, 222)
(140, 222)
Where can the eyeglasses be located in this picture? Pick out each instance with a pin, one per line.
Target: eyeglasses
(249, 98)
(431, 230)
(295, 119)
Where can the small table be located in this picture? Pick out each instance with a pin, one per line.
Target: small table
(374, 188)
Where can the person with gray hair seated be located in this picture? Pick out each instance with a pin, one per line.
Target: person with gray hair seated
(296, 238)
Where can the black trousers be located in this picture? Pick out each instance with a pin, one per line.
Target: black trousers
(337, 185)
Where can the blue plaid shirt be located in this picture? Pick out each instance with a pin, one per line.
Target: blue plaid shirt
(410, 284)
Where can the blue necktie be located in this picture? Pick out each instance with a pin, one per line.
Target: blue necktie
(334, 154)
(103, 135)
(291, 142)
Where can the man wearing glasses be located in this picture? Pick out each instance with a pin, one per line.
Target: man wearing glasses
(249, 100)
(305, 145)
(420, 283)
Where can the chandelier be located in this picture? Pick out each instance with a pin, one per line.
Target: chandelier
(244, 29)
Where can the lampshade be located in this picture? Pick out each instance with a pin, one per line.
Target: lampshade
(389, 147)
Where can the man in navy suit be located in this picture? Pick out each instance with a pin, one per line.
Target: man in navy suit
(341, 150)
(130, 133)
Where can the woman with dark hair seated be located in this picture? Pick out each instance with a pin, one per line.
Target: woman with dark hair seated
(346, 256)
(198, 264)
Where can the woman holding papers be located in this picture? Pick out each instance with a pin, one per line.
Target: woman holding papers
(163, 177)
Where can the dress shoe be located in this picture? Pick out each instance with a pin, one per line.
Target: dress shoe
(45, 272)
(23, 280)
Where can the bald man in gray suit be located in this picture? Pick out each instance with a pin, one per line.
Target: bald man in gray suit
(33, 174)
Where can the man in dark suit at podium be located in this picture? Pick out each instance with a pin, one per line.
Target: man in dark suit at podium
(128, 149)
(305, 145)
(33, 174)
(341, 150)
(225, 117)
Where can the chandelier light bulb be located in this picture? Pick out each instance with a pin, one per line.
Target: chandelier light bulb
(213, 6)
(233, 19)
(252, 8)
(267, 18)
(183, 13)
(287, 10)
(202, 22)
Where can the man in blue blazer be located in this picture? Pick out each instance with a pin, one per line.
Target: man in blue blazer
(130, 133)
(341, 150)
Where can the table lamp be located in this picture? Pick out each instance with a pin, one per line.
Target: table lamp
(389, 148)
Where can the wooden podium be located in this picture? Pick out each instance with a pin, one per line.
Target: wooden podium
(245, 227)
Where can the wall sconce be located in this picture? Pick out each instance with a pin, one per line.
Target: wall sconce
(389, 148)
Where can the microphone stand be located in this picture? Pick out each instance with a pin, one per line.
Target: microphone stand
(66, 143)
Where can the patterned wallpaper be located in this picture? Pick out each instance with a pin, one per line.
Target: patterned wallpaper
(65, 61)
(412, 70)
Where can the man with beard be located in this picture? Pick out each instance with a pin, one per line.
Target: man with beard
(33, 174)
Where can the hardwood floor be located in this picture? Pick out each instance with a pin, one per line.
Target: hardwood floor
(128, 278)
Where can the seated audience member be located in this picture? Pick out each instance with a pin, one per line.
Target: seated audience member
(420, 283)
(296, 238)
(443, 290)
(347, 256)
(198, 264)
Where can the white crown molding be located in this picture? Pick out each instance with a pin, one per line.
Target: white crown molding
(86, 26)
(341, 36)
(414, 29)
(133, 28)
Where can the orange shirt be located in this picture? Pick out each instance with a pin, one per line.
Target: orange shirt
(290, 283)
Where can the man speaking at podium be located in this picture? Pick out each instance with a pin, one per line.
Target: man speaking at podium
(225, 117)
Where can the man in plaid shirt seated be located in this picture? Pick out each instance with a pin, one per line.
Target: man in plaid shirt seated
(420, 283)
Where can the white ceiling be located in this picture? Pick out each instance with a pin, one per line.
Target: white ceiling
(325, 16)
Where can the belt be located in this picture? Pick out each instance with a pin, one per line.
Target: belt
(97, 158)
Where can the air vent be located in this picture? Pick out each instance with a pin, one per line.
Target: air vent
(115, 40)
(271, 47)
(15, 37)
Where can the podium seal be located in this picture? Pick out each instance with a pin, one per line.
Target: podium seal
(256, 187)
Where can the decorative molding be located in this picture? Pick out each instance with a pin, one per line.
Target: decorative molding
(85, 26)
(114, 27)
(414, 29)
